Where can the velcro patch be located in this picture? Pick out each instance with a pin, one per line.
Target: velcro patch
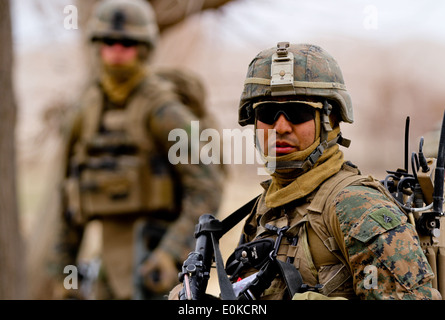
(385, 218)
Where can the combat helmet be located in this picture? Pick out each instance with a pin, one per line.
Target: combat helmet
(301, 70)
(124, 19)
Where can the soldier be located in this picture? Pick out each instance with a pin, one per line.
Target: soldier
(117, 166)
(337, 233)
(346, 236)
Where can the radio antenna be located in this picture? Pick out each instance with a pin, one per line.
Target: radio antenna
(406, 142)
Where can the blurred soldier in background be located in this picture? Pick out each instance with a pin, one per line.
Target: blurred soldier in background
(117, 169)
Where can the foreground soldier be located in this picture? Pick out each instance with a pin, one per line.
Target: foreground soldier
(118, 169)
(346, 236)
(342, 231)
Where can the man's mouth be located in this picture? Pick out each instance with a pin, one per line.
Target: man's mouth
(282, 147)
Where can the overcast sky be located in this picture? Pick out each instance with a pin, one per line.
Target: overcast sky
(242, 21)
(298, 20)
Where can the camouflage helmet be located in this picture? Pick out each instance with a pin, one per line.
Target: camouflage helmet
(301, 70)
(124, 19)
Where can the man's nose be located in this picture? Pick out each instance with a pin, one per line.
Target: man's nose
(282, 125)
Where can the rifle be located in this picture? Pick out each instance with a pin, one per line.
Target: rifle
(421, 194)
(196, 268)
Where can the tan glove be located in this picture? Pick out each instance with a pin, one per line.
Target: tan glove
(309, 295)
(60, 293)
(159, 272)
(174, 293)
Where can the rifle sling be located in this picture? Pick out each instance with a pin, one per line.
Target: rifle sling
(225, 285)
(235, 217)
(292, 277)
(217, 230)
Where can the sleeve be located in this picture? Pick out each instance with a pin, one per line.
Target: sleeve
(383, 249)
(174, 125)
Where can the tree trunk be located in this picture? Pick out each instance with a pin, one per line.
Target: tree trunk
(11, 248)
(171, 12)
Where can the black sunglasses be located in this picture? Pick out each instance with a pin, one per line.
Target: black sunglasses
(295, 112)
(124, 42)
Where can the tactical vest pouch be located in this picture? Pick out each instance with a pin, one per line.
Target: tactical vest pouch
(250, 255)
(123, 185)
(112, 145)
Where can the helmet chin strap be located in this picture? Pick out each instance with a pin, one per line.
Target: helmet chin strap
(306, 164)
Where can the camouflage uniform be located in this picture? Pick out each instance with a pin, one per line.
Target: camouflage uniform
(346, 236)
(117, 166)
(376, 233)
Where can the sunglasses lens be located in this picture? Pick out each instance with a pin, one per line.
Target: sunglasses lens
(109, 42)
(266, 114)
(124, 42)
(129, 43)
(294, 112)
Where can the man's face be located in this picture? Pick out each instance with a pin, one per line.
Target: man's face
(290, 137)
(118, 52)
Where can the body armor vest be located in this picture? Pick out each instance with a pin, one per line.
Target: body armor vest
(120, 169)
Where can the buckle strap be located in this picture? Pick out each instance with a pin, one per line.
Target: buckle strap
(308, 162)
(317, 153)
(336, 281)
(331, 244)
